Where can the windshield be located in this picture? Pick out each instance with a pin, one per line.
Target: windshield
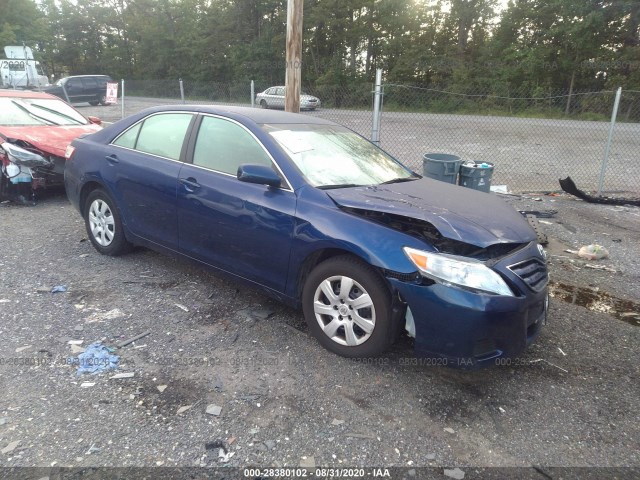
(330, 156)
(18, 112)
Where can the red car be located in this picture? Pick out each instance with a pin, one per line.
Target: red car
(35, 130)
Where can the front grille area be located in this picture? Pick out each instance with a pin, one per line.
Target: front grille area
(533, 272)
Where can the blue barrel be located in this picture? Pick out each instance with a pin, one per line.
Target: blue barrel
(476, 175)
(441, 166)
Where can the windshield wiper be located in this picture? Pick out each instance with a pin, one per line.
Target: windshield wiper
(33, 115)
(339, 185)
(400, 180)
(55, 112)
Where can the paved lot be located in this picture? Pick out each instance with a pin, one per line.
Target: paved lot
(571, 400)
(529, 154)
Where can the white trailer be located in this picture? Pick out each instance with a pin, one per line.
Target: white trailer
(18, 69)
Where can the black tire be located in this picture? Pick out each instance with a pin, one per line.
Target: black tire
(109, 238)
(263, 104)
(103, 100)
(94, 103)
(365, 279)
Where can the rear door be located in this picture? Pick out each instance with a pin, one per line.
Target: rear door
(243, 228)
(90, 89)
(142, 165)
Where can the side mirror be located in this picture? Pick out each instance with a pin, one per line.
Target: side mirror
(260, 174)
(94, 120)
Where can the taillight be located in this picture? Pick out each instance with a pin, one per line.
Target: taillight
(68, 153)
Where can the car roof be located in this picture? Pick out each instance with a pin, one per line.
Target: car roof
(257, 115)
(85, 76)
(25, 94)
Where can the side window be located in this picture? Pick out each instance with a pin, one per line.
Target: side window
(74, 83)
(90, 83)
(161, 135)
(128, 138)
(271, 91)
(224, 146)
(280, 91)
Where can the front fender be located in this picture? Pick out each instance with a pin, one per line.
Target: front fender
(321, 225)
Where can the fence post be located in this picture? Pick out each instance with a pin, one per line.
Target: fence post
(181, 90)
(253, 94)
(122, 100)
(607, 149)
(377, 102)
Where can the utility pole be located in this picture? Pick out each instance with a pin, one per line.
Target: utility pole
(293, 77)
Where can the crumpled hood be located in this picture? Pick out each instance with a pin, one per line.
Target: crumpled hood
(50, 139)
(458, 213)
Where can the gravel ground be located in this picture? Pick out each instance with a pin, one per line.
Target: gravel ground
(530, 154)
(570, 401)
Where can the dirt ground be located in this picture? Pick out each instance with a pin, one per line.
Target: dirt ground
(570, 401)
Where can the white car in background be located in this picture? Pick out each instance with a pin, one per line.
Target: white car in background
(273, 97)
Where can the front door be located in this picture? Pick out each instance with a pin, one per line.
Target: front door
(242, 228)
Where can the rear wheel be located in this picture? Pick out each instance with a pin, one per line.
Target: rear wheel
(94, 102)
(263, 104)
(103, 100)
(104, 225)
(348, 307)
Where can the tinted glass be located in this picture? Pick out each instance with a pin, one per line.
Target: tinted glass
(89, 83)
(74, 83)
(224, 146)
(128, 138)
(164, 134)
(280, 91)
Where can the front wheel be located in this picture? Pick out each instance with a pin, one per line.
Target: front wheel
(263, 104)
(104, 225)
(348, 307)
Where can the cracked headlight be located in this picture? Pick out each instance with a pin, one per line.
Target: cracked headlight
(465, 272)
(25, 158)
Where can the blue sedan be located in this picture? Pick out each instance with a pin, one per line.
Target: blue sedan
(322, 219)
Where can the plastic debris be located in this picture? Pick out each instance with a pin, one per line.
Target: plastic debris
(11, 447)
(97, 358)
(123, 375)
(449, 430)
(183, 409)
(182, 307)
(308, 462)
(87, 384)
(161, 388)
(225, 457)
(59, 289)
(593, 252)
(214, 409)
(93, 449)
(454, 473)
(336, 422)
(22, 349)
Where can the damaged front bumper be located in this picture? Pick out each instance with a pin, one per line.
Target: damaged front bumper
(19, 165)
(469, 329)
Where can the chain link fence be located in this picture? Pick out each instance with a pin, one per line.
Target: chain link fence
(532, 141)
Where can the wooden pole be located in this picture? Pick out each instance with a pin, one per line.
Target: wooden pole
(293, 77)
